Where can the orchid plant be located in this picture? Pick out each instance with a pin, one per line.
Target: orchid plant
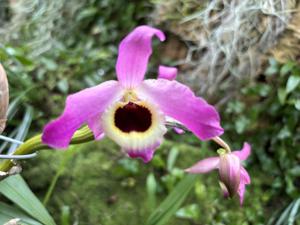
(134, 113)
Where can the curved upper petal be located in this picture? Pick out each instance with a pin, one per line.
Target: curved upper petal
(134, 52)
(244, 153)
(166, 72)
(179, 102)
(80, 107)
(205, 165)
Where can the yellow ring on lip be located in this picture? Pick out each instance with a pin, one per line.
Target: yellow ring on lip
(134, 140)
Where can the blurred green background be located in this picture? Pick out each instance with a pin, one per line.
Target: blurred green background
(52, 48)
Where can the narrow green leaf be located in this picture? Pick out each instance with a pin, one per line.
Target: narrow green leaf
(16, 189)
(65, 215)
(172, 158)
(151, 191)
(292, 83)
(23, 128)
(8, 212)
(294, 212)
(284, 215)
(297, 104)
(173, 202)
(282, 95)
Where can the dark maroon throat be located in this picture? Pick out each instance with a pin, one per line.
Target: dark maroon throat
(133, 117)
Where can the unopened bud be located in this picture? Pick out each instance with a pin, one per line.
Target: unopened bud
(229, 170)
(3, 98)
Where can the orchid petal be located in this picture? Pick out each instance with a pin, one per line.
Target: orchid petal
(205, 165)
(145, 154)
(241, 192)
(165, 72)
(244, 153)
(245, 176)
(80, 107)
(179, 102)
(245, 179)
(178, 130)
(134, 52)
(95, 125)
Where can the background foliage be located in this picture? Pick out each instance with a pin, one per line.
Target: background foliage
(95, 183)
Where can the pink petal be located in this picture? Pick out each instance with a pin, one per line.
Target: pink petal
(245, 176)
(95, 125)
(145, 154)
(241, 192)
(178, 130)
(245, 179)
(134, 52)
(179, 102)
(80, 107)
(244, 153)
(205, 165)
(165, 72)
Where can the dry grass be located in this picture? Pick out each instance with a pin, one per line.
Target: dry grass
(36, 23)
(228, 40)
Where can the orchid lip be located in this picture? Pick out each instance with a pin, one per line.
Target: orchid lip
(133, 117)
(135, 124)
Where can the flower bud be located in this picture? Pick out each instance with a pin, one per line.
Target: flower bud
(3, 98)
(229, 171)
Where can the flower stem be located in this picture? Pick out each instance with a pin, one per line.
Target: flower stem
(222, 143)
(35, 143)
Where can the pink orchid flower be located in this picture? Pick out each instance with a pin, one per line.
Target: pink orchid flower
(233, 176)
(132, 111)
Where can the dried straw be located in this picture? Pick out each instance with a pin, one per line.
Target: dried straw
(228, 39)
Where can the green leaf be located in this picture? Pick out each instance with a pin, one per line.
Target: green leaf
(172, 158)
(16, 189)
(88, 12)
(297, 104)
(286, 68)
(8, 212)
(65, 215)
(294, 212)
(22, 128)
(172, 203)
(282, 95)
(189, 212)
(292, 83)
(151, 191)
(63, 86)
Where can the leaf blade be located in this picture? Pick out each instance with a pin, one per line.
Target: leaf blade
(16, 189)
(172, 203)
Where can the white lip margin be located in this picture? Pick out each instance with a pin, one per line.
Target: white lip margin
(135, 141)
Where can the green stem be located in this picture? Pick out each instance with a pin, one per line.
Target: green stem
(35, 143)
(222, 143)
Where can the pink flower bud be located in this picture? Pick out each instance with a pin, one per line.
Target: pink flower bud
(229, 171)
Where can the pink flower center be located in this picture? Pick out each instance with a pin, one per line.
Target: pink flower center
(133, 117)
